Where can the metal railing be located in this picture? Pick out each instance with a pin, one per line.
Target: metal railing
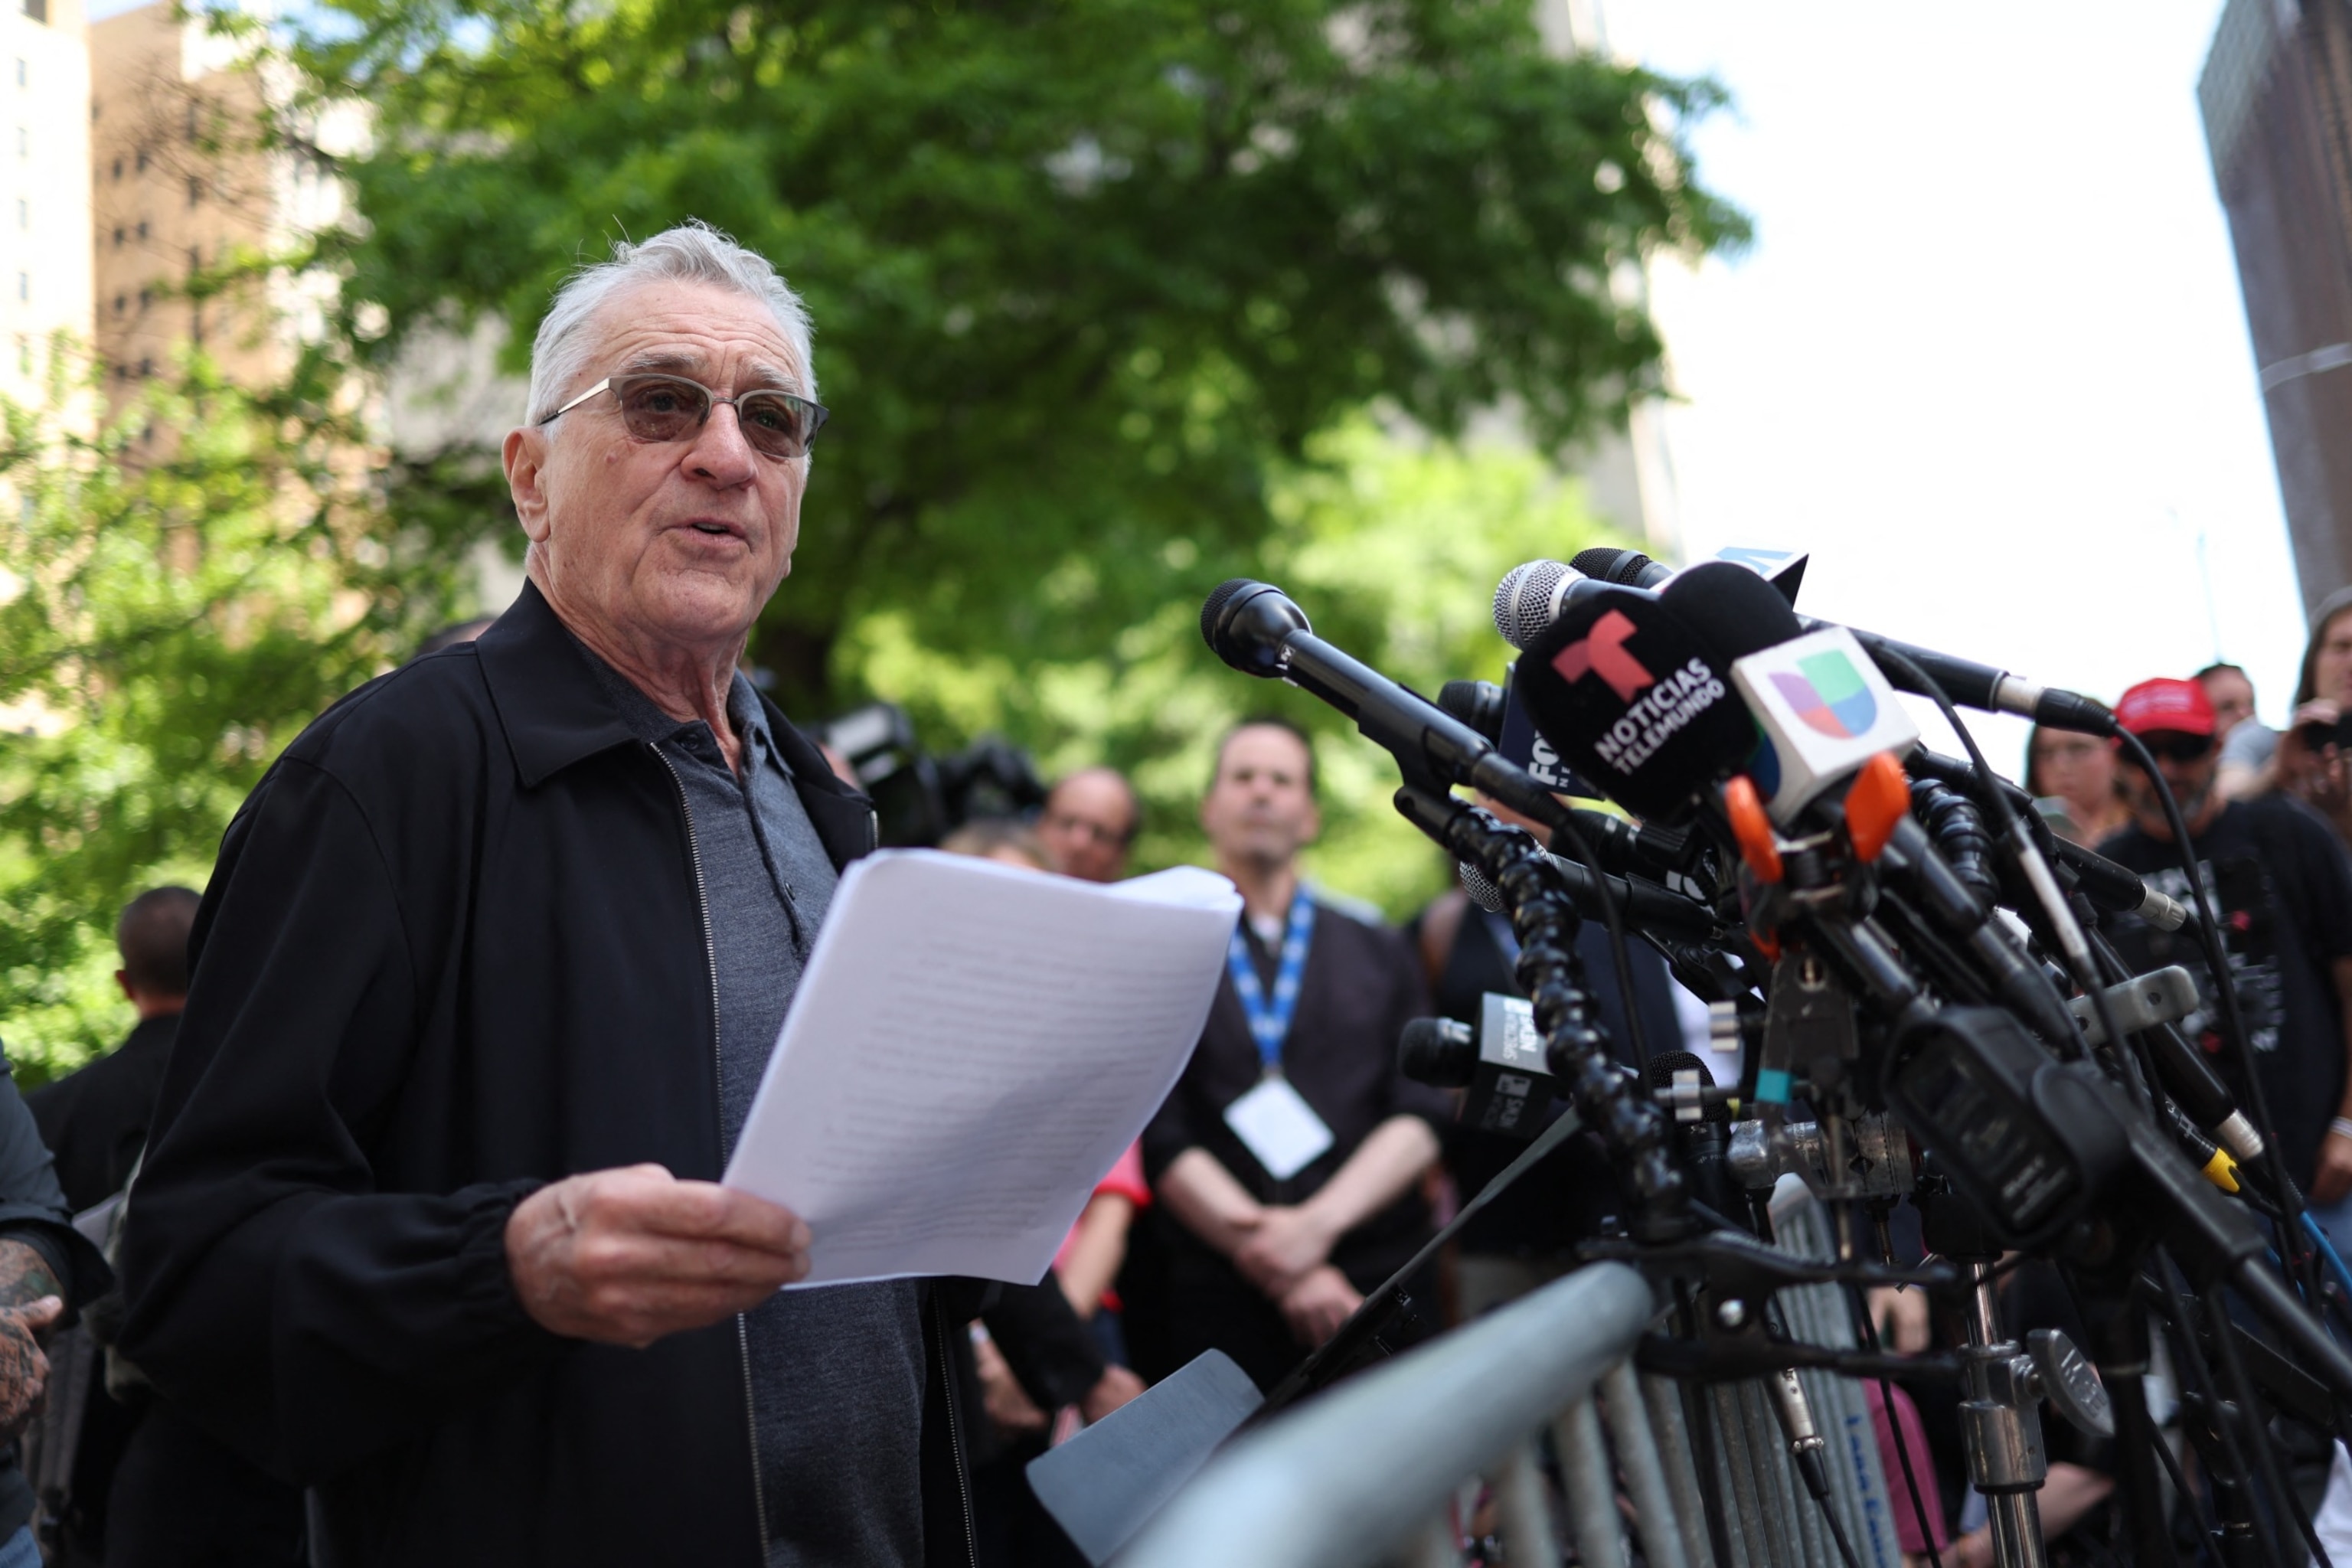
(1372, 1471)
(1369, 1472)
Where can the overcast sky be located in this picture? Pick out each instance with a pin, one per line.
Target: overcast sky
(1987, 359)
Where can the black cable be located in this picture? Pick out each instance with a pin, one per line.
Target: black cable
(2225, 986)
(1818, 1472)
(1619, 961)
(1858, 1305)
(1698, 1414)
(2189, 1362)
(2007, 829)
(2241, 1389)
(2197, 1502)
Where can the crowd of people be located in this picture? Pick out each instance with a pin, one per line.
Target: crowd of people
(424, 1256)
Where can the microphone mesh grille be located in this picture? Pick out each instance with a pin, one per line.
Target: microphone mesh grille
(1610, 564)
(1483, 893)
(1522, 600)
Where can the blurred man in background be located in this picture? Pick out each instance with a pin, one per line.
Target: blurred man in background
(2248, 745)
(2282, 887)
(149, 1487)
(95, 1119)
(1089, 820)
(1290, 1155)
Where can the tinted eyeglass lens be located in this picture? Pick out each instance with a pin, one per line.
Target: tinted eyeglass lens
(2180, 748)
(656, 408)
(664, 408)
(775, 423)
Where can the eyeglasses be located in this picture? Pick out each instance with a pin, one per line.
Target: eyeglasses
(1078, 827)
(656, 407)
(2176, 747)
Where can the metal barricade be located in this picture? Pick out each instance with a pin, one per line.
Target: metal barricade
(1369, 1472)
(1372, 1471)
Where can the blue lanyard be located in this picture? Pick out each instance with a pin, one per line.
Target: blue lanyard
(1269, 1021)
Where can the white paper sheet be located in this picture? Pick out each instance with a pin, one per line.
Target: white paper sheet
(971, 1048)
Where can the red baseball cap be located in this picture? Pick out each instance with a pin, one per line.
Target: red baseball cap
(2178, 707)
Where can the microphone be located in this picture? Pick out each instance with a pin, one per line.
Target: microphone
(1636, 698)
(1628, 568)
(1533, 596)
(1257, 630)
(1680, 1082)
(1642, 904)
(2115, 888)
(1499, 1063)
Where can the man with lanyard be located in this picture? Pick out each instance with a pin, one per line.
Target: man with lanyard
(1288, 1159)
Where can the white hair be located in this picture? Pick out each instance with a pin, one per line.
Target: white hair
(694, 252)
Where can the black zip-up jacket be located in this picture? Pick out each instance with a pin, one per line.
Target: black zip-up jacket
(454, 949)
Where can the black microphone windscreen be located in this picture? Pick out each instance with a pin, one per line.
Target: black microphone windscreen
(1736, 611)
(1607, 563)
(1637, 699)
(1222, 592)
(1662, 1067)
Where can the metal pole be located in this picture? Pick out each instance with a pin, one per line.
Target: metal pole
(1643, 1469)
(2001, 1426)
(1665, 1405)
(1748, 1521)
(1591, 1488)
(1524, 1512)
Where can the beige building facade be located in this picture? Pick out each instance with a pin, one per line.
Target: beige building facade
(45, 275)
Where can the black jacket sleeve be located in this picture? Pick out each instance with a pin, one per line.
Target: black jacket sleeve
(304, 1315)
(1051, 1352)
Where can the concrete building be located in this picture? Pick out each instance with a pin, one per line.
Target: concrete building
(181, 188)
(45, 285)
(2276, 94)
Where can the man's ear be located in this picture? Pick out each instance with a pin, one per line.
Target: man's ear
(525, 458)
(123, 978)
(1314, 824)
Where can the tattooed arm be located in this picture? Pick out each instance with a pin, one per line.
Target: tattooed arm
(30, 1301)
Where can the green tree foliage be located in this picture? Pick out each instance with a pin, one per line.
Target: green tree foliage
(1392, 547)
(180, 592)
(1085, 276)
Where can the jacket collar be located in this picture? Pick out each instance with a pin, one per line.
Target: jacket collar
(555, 712)
(549, 703)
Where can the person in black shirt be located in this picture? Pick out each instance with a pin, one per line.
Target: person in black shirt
(1290, 1155)
(95, 1119)
(2283, 891)
(1526, 1236)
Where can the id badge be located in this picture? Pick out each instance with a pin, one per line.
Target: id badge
(1278, 1128)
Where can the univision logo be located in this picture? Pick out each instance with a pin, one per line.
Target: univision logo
(1829, 694)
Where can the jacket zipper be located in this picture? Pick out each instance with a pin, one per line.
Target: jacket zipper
(718, 1073)
(955, 1430)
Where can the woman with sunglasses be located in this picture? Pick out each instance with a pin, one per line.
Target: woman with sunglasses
(2314, 755)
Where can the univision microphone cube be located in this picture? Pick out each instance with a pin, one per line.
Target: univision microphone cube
(1824, 710)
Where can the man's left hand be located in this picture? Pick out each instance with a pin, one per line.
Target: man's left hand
(1286, 1244)
(23, 1366)
(1114, 1388)
(2334, 1178)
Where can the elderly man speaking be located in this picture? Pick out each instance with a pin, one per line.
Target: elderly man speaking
(484, 981)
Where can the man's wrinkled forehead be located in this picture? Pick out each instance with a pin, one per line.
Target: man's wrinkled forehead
(705, 333)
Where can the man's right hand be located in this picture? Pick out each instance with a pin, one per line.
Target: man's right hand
(1318, 1304)
(627, 1257)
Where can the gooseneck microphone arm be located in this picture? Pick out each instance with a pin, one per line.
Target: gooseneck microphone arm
(1630, 1125)
(1256, 628)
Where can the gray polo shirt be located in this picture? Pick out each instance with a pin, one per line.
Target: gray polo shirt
(837, 1373)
